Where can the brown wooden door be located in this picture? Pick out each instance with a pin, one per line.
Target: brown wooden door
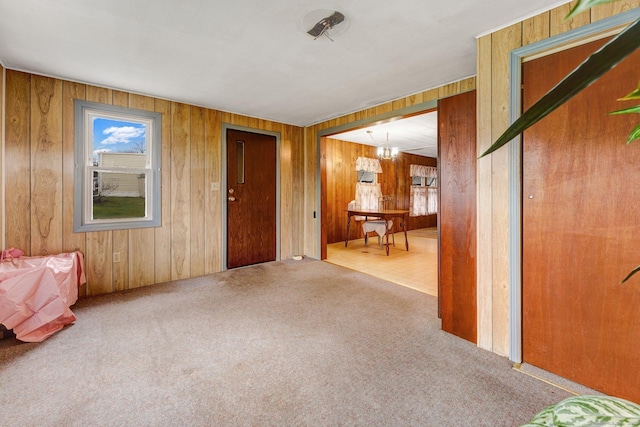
(251, 198)
(581, 230)
(457, 214)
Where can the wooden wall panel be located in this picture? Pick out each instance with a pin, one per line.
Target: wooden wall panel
(180, 191)
(503, 42)
(197, 169)
(162, 235)
(141, 240)
(70, 241)
(39, 166)
(46, 159)
(213, 196)
(484, 194)
(561, 25)
(286, 196)
(493, 176)
(17, 162)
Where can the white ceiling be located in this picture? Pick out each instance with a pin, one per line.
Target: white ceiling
(414, 135)
(253, 57)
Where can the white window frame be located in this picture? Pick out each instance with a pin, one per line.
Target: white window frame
(85, 113)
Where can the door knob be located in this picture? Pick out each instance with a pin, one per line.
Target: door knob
(232, 199)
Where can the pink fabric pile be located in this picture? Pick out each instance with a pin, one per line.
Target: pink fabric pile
(36, 292)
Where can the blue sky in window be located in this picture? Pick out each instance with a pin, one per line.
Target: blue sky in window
(117, 136)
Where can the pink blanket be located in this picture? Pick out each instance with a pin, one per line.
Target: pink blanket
(36, 293)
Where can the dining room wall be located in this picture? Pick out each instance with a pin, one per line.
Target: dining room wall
(341, 181)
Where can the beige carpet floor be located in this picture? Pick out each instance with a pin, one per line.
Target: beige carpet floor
(292, 343)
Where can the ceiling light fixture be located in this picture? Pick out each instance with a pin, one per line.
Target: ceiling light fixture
(384, 152)
(323, 21)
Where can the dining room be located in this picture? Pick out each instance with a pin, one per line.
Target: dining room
(381, 200)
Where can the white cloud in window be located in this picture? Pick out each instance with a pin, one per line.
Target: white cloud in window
(122, 134)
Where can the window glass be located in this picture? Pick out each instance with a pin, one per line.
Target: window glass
(117, 167)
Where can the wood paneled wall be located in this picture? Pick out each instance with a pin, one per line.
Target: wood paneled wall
(493, 171)
(312, 197)
(39, 147)
(341, 178)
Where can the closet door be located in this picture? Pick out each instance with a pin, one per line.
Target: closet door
(581, 229)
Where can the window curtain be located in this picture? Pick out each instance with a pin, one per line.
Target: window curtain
(367, 197)
(368, 164)
(423, 200)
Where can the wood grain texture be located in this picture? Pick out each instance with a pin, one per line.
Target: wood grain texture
(484, 175)
(141, 240)
(197, 172)
(213, 197)
(98, 263)
(579, 240)
(503, 42)
(457, 212)
(614, 8)
(180, 191)
(17, 165)
(286, 196)
(536, 28)
(559, 24)
(162, 234)
(70, 241)
(46, 160)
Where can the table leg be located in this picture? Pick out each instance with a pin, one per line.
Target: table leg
(346, 240)
(404, 227)
(386, 235)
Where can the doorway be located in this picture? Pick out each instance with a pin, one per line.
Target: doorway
(251, 198)
(416, 137)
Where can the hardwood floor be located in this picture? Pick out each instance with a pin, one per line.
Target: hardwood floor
(416, 269)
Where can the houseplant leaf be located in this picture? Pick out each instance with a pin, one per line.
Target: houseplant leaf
(633, 95)
(631, 273)
(635, 134)
(635, 109)
(583, 5)
(601, 61)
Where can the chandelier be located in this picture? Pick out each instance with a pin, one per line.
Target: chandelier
(384, 152)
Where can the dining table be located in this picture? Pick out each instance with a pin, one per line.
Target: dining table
(381, 214)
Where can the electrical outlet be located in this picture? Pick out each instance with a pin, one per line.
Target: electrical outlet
(116, 257)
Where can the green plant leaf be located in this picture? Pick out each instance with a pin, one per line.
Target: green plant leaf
(583, 5)
(635, 109)
(634, 271)
(635, 134)
(601, 61)
(633, 95)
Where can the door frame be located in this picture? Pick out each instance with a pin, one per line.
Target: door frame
(590, 32)
(223, 186)
(378, 119)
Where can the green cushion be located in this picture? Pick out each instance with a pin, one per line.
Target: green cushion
(589, 411)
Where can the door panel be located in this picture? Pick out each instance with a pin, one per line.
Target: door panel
(581, 232)
(251, 198)
(457, 214)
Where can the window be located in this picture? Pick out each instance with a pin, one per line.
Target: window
(117, 167)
